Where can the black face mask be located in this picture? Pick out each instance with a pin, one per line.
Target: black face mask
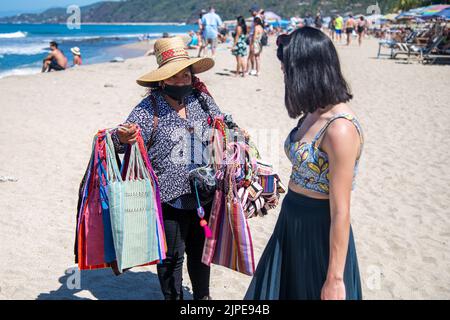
(177, 92)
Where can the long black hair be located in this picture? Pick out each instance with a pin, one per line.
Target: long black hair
(313, 77)
(242, 24)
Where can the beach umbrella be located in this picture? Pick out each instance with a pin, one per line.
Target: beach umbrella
(390, 16)
(411, 14)
(445, 14)
(280, 23)
(434, 11)
(271, 16)
(374, 18)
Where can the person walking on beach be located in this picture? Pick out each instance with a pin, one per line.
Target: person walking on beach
(202, 41)
(255, 11)
(240, 46)
(339, 24)
(318, 21)
(56, 60)
(211, 23)
(77, 61)
(311, 253)
(332, 27)
(257, 44)
(349, 28)
(362, 25)
(173, 119)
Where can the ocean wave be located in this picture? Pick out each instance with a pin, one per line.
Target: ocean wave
(19, 72)
(18, 34)
(24, 50)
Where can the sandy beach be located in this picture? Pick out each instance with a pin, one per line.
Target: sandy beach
(400, 207)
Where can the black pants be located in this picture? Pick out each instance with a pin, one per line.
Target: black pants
(183, 234)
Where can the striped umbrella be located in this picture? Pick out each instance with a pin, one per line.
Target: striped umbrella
(434, 10)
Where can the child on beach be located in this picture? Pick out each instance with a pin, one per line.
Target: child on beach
(77, 61)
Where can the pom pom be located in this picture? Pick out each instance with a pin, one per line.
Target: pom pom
(203, 223)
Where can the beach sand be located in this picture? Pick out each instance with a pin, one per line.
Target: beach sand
(400, 207)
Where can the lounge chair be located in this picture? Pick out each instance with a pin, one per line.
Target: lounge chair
(386, 44)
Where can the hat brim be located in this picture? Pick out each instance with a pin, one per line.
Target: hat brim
(75, 52)
(170, 69)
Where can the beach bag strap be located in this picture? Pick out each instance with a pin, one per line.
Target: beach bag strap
(112, 166)
(155, 121)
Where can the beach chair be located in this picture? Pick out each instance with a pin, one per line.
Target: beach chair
(428, 54)
(390, 44)
(431, 57)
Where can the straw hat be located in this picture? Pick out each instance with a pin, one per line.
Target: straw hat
(76, 51)
(172, 58)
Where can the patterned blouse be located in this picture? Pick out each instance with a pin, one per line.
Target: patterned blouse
(310, 168)
(177, 145)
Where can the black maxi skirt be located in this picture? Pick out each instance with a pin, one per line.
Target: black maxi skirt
(294, 263)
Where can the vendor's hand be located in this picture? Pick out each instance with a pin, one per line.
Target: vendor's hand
(127, 133)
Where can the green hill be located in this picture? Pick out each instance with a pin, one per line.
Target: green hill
(187, 10)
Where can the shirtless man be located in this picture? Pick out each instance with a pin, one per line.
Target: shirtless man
(55, 60)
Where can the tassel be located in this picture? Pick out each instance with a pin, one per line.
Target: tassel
(208, 232)
(200, 212)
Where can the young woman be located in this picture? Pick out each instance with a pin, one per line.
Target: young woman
(257, 45)
(240, 46)
(311, 254)
(173, 120)
(361, 29)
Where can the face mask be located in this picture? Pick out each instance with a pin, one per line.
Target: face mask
(177, 92)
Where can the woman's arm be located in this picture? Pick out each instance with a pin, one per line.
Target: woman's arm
(237, 35)
(142, 115)
(341, 143)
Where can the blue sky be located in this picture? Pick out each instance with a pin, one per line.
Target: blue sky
(24, 6)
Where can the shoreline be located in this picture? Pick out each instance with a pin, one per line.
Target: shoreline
(132, 50)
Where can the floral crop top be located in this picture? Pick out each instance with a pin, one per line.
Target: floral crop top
(310, 164)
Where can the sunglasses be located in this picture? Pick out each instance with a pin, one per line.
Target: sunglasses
(282, 41)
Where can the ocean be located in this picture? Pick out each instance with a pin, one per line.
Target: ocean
(24, 46)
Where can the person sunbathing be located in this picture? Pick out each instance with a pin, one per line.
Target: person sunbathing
(56, 60)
